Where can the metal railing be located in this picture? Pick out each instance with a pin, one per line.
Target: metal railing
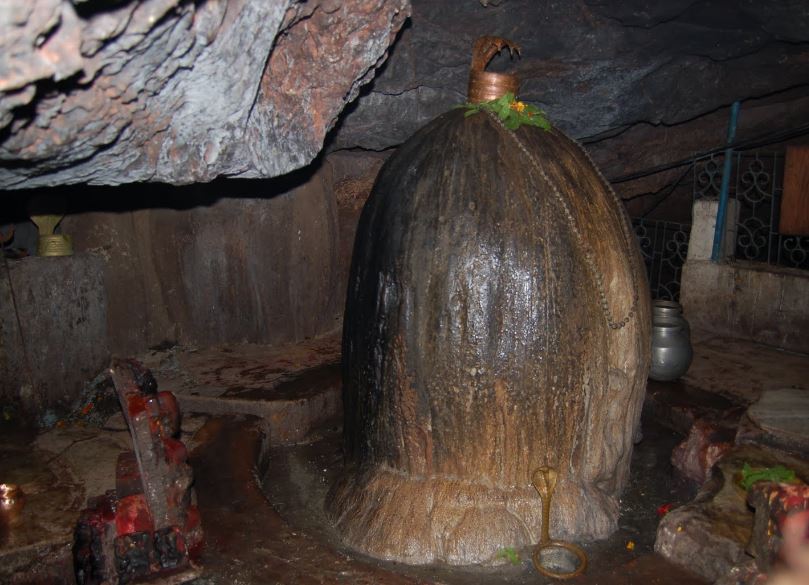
(664, 247)
(756, 184)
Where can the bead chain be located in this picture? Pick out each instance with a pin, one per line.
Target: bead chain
(588, 257)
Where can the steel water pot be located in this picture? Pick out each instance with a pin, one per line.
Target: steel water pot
(671, 349)
(670, 310)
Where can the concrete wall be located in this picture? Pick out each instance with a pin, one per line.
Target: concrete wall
(260, 265)
(746, 300)
(62, 307)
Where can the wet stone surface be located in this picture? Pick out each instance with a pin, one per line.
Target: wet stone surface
(296, 387)
(50, 498)
(741, 371)
(35, 535)
(247, 541)
(57, 470)
(779, 419)
(296, 481)
(679, 404)
(250, 541)
(262, 502)
(711, 534)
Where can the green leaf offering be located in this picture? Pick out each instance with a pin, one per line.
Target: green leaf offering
(509, 554)
(779, 473)
(512, 112)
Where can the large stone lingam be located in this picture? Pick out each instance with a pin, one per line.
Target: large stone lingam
(497, 321)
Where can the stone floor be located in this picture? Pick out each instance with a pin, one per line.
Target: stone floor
(306, 471)
(261, 424)
(741, 370)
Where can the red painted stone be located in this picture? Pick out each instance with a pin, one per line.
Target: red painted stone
(148, 527)
(707, 442)
(132, 515)
(781, 509)
(127, 475)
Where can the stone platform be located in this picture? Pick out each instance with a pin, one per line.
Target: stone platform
(741, 370)
(295, 387)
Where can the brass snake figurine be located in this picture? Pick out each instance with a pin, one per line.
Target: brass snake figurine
(544, 481)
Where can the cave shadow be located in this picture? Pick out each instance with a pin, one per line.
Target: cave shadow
(17, 206)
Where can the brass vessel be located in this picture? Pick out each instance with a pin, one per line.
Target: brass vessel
(51, 244)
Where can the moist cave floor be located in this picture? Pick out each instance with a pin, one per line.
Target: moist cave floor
(296, 480)
(263, 429)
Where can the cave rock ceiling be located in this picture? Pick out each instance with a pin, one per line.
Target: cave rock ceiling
(180, 92)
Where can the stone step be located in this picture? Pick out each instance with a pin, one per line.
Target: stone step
(779, 419)
(295, 387)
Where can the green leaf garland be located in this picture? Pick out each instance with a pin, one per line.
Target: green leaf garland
(512, 112)
(509, 554)
(779, 473)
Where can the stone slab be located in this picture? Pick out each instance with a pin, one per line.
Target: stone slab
(779, 420)
(741, 369)
(748, 301)
(295, 387)
(783, 413)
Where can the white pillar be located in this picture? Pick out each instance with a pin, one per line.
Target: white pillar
(703, 224)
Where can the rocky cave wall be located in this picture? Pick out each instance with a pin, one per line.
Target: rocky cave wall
(181, 92)
(640, 82)
(177, 91)
(139, 92)
(228, 262)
